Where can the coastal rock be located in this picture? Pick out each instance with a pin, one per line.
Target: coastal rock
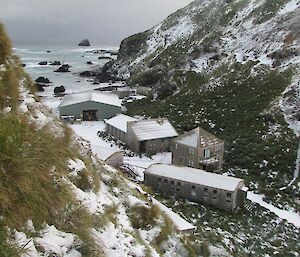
(43, 63)
(84, 42)
(39, 87)
(58, 90)
(23, 65)
(63, 68)
(87, 74)
(104, 58)
(48, 51)
(43, 80)
(89, 63)
(55, 63)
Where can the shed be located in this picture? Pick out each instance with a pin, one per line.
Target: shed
(117, 126)
(150, 136)
(110, 156)
(90, 106)
(220, 191)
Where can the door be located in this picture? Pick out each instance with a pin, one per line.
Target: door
(89, 115)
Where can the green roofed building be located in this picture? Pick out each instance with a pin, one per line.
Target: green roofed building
(89, 106)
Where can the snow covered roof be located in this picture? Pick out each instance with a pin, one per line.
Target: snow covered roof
(103, 153)
(105, 98)
(153, 129)
(198, 137)
(197, 176)
(120, 122)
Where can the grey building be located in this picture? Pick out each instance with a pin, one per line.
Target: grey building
(117, 126)
(150, 136)
(198, 149)
(227, 193)
(90, 106)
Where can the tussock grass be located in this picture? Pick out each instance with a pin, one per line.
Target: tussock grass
(9, 87)
(143, 217)
(5, 44)
(29, 186)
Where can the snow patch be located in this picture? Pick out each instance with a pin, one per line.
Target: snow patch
(289, 7)
(289, 216)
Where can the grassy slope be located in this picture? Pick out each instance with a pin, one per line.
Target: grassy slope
(32, 162)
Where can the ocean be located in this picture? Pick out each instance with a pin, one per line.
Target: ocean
(75, 56)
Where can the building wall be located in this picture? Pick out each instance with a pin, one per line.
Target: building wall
(222, 199)
(190, 156)
(157, 145)
(104, 111)
(116, 133)
(132, 141)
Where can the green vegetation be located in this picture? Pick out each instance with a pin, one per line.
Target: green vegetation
(143, 217)
(239, 109)
(5, 45)
(30, 161)
(258, 231)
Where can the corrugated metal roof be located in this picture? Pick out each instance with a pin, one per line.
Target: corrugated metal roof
(153, 129)
(197, 176)
(198, 137)
(120, 122)
(105, 98)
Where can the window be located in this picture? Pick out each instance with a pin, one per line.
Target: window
(176, 146)
(193, 193)
(215, 194)
(205, 192)
(178, 183)
(193, 187)
(207, 153)
(191, 163)
(172, 182)
(192, 151)
(218, 148)
(178, 189)
(159, 179)
(228, 195)
(165, 180)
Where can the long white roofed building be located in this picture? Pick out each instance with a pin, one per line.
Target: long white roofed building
(220, 191)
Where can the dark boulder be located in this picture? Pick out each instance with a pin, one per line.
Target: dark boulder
(104, 58)
(87, 74)
(43, 63)
(58, 90)
(23, 65)
(39, 87)
(84, 42)
(89, 63)
(55, 63)
(63, 68)
(48, 51)
(43, 80)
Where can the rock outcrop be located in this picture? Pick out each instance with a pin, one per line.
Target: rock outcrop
(43, 80)
(63, 68)
(58, 90)
(84, 42)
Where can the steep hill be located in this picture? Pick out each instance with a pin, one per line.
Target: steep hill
(231, 67)
(57, 198)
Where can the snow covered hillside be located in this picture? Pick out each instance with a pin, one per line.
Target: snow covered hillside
(231, 67)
